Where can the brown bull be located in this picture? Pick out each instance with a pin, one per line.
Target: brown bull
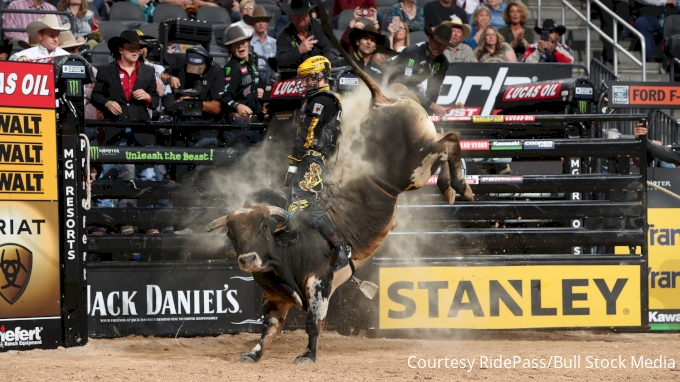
(401, 152)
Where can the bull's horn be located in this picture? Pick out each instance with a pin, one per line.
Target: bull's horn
(277, 211)
(217, 223)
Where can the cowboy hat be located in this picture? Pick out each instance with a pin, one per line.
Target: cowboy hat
(235, 34)
(68, 40)
(550, 24)
(441, 33)
(386, 49)
(456, 22)
(259, 14)
(298, 7)
(126, 37)
(356, 33)
(32, 41)
(144, 37)
(46, 22)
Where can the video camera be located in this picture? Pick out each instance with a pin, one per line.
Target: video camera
(190, 107)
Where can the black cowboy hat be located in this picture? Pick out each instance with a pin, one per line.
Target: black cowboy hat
(259, 14)
(126, 37)
(298, 7)
(386, 49)
(551, 25)
(441, 33)
(356, 33)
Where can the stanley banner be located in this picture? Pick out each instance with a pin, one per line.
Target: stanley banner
(30, 284)
(664, 258)
(510, 297)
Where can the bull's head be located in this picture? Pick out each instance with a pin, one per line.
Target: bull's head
(251, 230)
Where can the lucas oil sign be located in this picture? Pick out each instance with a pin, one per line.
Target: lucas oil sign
(510, 297)
(30, 285)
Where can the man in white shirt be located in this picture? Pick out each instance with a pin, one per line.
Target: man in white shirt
(46, 30)
(262, 44)
(247, 9)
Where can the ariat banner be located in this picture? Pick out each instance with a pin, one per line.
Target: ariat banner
(510, 297)
(28, 152)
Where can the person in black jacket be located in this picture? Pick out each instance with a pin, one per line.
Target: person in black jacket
(424, 62)
(301, 39)
(125, 89)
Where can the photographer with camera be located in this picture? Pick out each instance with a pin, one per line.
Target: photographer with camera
(549, 49)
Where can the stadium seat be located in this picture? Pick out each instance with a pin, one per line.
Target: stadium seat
(93, 8)
(344, 18)
(671, 31)
(218, 17)
(98, 56)
(385, 3)
(150, 29)
(417, 37)
(338, 34)
(164, 12)
(129, 14)
(110, 29)
(221, 61)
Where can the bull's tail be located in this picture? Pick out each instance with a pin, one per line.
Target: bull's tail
(377, 96)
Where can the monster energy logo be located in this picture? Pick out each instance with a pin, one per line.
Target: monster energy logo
(436, 66)
(294, 44)
(94, 153)
(411, 62)
(228, 70)
(582, 107)
(73, 87)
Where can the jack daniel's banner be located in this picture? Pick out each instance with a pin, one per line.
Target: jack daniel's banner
(168, 299)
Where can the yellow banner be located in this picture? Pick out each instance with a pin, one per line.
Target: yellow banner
(510, 297)
(664, 258)
(29, 254)
(487, 118)
(28, 154)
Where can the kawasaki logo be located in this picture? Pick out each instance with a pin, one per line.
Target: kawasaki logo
(460, 87)
(411, 62)
(94, 153)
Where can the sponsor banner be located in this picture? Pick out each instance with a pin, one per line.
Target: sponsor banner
(158, 299)
(666, 319)
(470, 179)
(501, 179)
(532, 92)
(28, 152)
(292, 88)
(503, 118)
(25, 334)
(487, 119)
(539, 145)
(663, 273)
(29, 247)
(476, 85)
(27, 85)
(643, 95)
(510, 297)
(474, 145)
(144, 154)
(506, 145)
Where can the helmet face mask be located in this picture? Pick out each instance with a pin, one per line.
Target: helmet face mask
(312, 71)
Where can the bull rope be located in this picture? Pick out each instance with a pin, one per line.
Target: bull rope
(665, 191)
(88, 182)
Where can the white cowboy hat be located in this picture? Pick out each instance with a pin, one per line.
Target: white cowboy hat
(46, 22)
(456, 22)
(68, 40)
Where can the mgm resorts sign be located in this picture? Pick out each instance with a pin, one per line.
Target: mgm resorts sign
(510, 297)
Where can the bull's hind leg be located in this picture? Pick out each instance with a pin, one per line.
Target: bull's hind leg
(274, 318)
(318, 294)
(451, 178)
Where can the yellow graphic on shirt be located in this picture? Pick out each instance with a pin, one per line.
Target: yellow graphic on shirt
(310, 132)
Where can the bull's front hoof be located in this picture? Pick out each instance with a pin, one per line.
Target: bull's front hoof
(305, 358)
(248, 358)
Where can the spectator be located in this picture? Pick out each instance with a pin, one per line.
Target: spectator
(358, 23)
(46, 32)
(102, 9)
(343, 5)
(551, 50)
(21, 20)
(263, 45)
(147, 7)
(468, 6)
(649, 23)
(301, 38)
(424, 64)
(480, 20)
(69, 43)
(83, 18)
(5, 50)
(247, 9)
(496, 8)
(364, 43)
(399, 36)
(439, 11)
(411, 13)
(158, 71)
(655, 149)
(382, 54)
(516, 33)
(493, 48)
(459, 52)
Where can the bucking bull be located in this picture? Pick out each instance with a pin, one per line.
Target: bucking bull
(403, 151)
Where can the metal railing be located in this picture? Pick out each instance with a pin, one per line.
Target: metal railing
(613, 40)
(664, 128)
(27, 11)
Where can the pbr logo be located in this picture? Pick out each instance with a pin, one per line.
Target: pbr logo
(16, 263)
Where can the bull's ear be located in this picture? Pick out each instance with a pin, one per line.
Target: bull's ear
(217, 223)
(278, 216)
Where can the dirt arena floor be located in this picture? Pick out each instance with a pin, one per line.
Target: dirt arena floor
(357, 359)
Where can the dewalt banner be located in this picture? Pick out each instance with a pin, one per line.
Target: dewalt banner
(510, 297)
